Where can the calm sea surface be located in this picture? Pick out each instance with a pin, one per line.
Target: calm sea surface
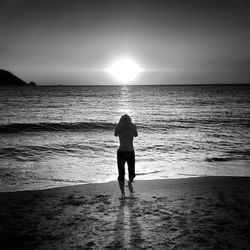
(64, 135)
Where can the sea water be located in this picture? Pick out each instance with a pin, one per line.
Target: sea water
(63, 135)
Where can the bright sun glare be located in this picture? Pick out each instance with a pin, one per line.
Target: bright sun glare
(124, 70)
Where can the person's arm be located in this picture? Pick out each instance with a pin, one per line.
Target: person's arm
(117, 130)
(135, 133)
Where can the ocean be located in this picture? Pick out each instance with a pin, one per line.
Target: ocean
(64, 135)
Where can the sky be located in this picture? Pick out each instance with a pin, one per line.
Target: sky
(175, 42)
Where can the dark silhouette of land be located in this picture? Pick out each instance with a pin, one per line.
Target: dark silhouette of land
(8, 79)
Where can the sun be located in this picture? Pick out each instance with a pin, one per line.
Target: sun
(124, 70)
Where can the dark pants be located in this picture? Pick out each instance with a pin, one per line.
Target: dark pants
(122, 158)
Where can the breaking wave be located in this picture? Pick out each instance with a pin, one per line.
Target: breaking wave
(39, 127)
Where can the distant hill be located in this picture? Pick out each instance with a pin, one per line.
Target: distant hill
(8, 79)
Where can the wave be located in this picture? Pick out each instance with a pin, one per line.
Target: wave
(146, 173)
(76, 127)
(219, 159)
(239, 152)
(232, 155)
(153, 125)
(65, 180)
(36, 153)
(224, 159)
(46, 127)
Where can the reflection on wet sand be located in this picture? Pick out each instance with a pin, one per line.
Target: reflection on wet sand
(127, 231)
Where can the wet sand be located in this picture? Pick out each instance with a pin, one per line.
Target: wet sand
(191, 213)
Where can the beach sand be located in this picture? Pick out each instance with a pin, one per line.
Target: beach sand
(190, 213)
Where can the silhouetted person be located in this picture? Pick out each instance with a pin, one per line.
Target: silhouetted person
(126, 131)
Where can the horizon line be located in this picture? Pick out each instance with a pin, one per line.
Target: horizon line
(127, 85)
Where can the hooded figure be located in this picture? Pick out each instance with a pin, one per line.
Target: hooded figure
(126, 131)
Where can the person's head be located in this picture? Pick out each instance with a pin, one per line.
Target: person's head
(125, 121)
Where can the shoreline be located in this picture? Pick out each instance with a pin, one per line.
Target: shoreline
(187, 213)
(115, 181)
(37, 188)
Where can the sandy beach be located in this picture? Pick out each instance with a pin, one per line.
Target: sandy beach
(190, 213)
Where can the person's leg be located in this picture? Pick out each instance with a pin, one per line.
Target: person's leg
(131, 165)
(131, 170)
(121, 170)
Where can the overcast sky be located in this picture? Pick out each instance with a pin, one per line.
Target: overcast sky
(181, 41)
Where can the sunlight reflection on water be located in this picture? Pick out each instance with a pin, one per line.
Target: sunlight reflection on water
(66, 134)
(124, 102)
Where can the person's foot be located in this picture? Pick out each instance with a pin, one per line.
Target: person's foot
(121, 185)
(122, 197)
(130, 187)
